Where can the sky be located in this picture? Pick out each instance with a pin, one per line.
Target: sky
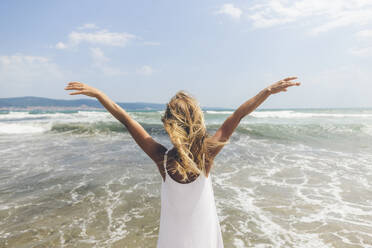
(221, 52)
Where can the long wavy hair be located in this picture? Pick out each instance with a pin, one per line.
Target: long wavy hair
(183, 120)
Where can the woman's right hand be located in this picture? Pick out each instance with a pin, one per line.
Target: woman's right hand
(82, 89)
(282, 85)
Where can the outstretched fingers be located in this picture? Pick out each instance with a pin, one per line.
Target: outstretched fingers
(77, 93)
(74, 86)
(283, 84)
(289, 84)
(289, 79)
(74, 82)
(294, 84)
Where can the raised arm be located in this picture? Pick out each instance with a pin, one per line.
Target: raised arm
(152, 148)
(230, 124)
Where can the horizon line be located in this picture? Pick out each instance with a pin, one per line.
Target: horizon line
(224, 108)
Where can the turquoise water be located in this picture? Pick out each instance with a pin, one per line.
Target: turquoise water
(288, 178)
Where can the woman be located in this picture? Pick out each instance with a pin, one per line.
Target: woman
(188, 213)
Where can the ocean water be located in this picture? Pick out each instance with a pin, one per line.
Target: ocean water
(288, 178)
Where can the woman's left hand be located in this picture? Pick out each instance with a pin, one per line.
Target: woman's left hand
(282, 85)
(83, 89)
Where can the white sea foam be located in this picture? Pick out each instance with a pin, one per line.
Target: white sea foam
(367, 129)
(23, 122)
(324, 178)
(296, 114)
(218, 112)
(22, 128)
(80, 115)
(16, 115)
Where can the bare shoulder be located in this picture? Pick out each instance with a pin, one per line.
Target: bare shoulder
(213, 150)
(160, 159)
(209, 166)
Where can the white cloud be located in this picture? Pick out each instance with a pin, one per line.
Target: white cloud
(145, 70)
(102, 37)
(19, 59)
(98, 56)
(61, 45)
(25, 68)
(88, 26)
(230, 10)
(99, 37)
(100, 61)
(318, 15)
(24, 73)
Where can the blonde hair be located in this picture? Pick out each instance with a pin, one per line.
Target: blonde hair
(184, 122)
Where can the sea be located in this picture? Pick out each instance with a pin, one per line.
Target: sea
(288, 178)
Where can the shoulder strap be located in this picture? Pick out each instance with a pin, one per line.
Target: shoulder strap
(165, 161)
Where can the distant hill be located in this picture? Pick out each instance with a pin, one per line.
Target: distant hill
(32, 102)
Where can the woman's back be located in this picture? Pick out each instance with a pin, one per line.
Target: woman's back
(188, 214)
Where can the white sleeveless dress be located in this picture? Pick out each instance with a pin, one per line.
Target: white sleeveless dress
(188, 217)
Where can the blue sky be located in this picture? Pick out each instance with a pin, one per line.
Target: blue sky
(222, 52)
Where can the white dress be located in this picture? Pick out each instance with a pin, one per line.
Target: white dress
(188, 217)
